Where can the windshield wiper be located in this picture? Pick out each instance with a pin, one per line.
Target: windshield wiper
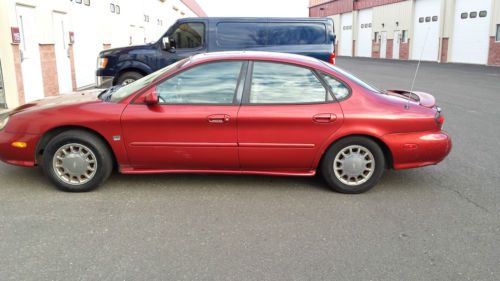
(108, 93)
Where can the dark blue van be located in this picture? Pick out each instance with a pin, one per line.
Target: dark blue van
(313, 37)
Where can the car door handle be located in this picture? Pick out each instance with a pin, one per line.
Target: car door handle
(219, 118)
(324, 118)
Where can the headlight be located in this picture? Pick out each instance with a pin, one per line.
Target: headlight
(3, 121)
(102, 63)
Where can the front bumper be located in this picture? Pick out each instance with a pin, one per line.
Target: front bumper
(18, 156)
(412, 150)
(104, 81)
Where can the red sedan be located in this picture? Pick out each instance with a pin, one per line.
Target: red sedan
(235, 113)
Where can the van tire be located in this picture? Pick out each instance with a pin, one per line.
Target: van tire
(128, 77)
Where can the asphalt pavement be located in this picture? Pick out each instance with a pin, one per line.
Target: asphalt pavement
(435, 223)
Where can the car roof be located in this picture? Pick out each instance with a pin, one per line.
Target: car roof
(257, 55)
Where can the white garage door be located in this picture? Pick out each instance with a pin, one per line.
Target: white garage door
(346, 35)
(426, 32)
(470, 40)
(364, 43)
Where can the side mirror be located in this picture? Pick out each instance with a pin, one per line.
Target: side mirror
(152, 99)
(168, 44)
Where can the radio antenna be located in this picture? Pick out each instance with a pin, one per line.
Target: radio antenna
(418, 67)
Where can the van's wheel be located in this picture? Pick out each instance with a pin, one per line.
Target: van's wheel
(77, 161)
(128, 77)
(353, 165)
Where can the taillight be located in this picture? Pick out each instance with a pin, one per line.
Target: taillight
(439, 119)
(332, 58)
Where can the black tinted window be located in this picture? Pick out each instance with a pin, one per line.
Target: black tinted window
(188, 36)
(339, 90)
(207, 83)
(283, 83)
(241, 34)
(296, 33)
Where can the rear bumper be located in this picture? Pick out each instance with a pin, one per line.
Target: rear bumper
(412, 150)
(18, 156)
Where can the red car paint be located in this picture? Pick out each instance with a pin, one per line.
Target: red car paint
(246, 139)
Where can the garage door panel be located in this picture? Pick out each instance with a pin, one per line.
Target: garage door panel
(364, 42)
(470, 41)
(425, 43)
(346, 34)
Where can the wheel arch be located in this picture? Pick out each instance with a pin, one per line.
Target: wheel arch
(385, 148)
(129, 69)
(50, 134)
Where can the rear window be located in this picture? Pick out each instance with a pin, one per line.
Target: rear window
(252, 34)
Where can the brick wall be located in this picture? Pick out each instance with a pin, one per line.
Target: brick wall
(72, 66)
(363, 4)
(49, 70)
(19, 73)
(331, 8)
(494, 52)
(375, 49)
(444, 50)
(404, 50)
(389, 49)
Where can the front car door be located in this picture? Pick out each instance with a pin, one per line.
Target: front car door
(194, 126)
(286, 117)
(186, 39)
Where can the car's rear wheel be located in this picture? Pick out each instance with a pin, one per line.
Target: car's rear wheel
(128, 77)
(353, 165)
(77, 161)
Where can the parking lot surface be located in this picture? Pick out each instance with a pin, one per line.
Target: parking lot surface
(436, 223)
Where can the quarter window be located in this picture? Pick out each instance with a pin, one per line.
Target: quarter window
(339, 90)
(275, 83)
(212, 83)
(189, 36)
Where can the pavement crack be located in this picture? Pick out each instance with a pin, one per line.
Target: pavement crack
(470, 200)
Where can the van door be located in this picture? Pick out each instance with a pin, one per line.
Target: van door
(186, 39)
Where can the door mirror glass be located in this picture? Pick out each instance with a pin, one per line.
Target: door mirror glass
(152, 99)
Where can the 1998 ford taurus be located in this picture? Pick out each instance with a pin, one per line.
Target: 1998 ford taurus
(233, 113)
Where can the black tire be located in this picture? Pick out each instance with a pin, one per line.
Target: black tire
(130, 75)
(103, 158)
(335, 183)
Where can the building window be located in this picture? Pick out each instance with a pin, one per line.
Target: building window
(483, 14)
(427, 19)
(421, 20)
(498, 33)
(146, 18)
(376, 37)
(86, 2)
(435, 18)
(370, 25)
(464, 15)
(78, 1)
(112, 7)
(117, 10)
(473, 15)
(404, 36)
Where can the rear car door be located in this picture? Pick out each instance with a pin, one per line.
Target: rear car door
(286, 116)
(194, 126)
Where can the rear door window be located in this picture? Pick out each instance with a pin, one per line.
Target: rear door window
(296, 33)
(277, 83)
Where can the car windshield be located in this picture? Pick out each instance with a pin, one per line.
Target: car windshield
(135, 86)
(354, 78)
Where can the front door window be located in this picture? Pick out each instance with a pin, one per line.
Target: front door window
(188, 36)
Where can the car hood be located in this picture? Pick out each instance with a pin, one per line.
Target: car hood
(59, 101)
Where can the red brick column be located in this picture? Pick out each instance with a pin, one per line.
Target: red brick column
(353, 48)
(19, 73)
(389, 49)
(404, 50)
(444, 50)
(494, 52)
(49, 70)
(72, 66)
(375, 49)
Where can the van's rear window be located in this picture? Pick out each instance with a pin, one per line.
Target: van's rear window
(249, 34)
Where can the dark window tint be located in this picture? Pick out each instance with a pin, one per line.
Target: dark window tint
(427, 19)
(473, 15)
(189, 36)
(296, 33)
(464, 15)
(421, 20)
(282, 83)
(339, 90)
(241, 34)
(435, 18)
(483, 14)
(212, 83)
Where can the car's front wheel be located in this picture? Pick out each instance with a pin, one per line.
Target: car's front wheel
(77, 161)
(353, 165)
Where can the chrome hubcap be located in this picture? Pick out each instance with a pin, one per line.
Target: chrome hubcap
(354, 165)
(74, 164)
(127, 81)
